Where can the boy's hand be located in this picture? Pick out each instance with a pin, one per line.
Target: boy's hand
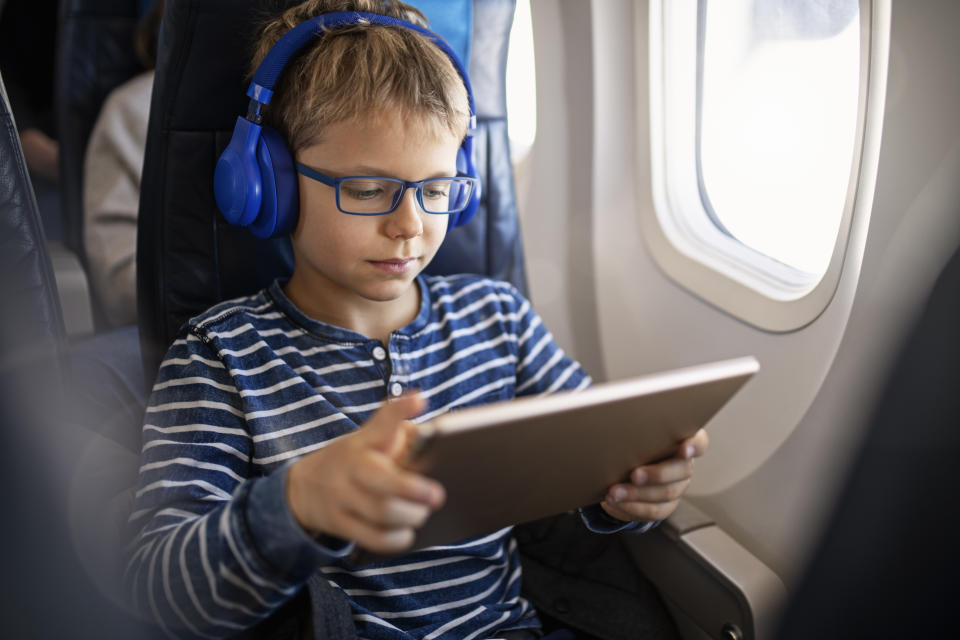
(354, 489)
(654, 491)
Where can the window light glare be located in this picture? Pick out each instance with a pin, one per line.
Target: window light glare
(521, 83)
(778, 124)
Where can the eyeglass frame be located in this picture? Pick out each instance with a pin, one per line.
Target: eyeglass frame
(330, 181)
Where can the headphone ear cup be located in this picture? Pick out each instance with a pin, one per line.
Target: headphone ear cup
(280, 200)
(236, 180)
(465, 166)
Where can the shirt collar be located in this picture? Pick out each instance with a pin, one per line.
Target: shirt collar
(339, 334)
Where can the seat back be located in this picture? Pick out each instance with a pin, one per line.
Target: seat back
(32, 322)
(886, 562)
(72, 410)
(59, 463)
(188, 256)
(95, 54)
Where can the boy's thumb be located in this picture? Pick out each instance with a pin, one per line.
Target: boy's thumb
(386, 427)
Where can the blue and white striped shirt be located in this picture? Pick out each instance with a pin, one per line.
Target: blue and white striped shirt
(251, 385)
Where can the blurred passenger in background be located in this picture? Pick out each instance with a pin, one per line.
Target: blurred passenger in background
(111, 182)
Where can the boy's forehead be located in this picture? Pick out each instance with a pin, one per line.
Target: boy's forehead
(414, 122)
(386, 141)
(388, 127)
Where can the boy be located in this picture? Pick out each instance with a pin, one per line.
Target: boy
(255, 475)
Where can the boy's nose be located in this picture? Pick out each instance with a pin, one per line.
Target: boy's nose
(405, 221)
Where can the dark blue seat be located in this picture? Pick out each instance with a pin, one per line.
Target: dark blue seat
(32, 321)
(47, 590)
(886, 563)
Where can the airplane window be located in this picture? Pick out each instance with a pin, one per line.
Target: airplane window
(521, 84)
(764, 125)
(778, 86)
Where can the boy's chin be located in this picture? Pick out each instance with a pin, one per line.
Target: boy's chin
(389, 291)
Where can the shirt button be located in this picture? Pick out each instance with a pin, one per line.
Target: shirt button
(379, 353)
(396, 389)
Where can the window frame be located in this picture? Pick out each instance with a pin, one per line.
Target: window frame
(680, 231)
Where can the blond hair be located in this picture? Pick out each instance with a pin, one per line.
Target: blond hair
(359, 71)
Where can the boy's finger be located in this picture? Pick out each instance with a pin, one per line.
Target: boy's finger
(695, 446)
(641, 511)
(383, 477)
(620, 494)
(389, 513)
(374, 538)
(616, 511)
(671, 470)
(386, 427)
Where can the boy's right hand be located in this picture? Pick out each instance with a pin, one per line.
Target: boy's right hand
(355, 489)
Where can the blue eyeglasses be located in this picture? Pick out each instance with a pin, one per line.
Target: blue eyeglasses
(376, 196)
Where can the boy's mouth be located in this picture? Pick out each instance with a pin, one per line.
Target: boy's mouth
(394, 265)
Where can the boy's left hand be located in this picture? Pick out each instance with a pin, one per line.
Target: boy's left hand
(654, 490)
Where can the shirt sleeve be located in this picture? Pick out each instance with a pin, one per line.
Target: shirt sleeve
(542, 366)
(599, 521)
(215, 549)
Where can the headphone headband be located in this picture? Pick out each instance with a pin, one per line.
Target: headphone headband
(273, 64)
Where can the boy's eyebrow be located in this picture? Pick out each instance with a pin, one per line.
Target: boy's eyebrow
(366, 170)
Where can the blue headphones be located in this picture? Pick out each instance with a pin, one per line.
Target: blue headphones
(255, 182)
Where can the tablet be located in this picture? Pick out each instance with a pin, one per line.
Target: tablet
(524, 459)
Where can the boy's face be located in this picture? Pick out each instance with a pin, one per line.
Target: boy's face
(350, 258)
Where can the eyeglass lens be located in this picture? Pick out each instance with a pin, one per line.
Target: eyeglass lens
(370, 195)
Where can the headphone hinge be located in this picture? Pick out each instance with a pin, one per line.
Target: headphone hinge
(253, 112)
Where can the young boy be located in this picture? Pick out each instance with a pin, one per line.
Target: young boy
(270, 447)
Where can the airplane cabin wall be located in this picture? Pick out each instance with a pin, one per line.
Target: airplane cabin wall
(782, 445)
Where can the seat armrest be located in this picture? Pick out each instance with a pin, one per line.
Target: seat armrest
(713, 586)
(73, 288)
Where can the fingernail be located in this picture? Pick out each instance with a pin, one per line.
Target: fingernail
(434, 495)
(690, 451)
(639, 476)
(425, 492)
(618, 494)
(398, 539)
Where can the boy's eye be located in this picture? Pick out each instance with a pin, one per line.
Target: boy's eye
(364, 195)
(435, 190)
(363, 189)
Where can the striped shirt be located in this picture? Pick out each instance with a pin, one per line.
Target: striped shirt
(253, 384)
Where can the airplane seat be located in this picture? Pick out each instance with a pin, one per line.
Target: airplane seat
(39, 376)
(48, 568)
(33, 329)
(95, 54)
(887, 561)
(189, 257)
